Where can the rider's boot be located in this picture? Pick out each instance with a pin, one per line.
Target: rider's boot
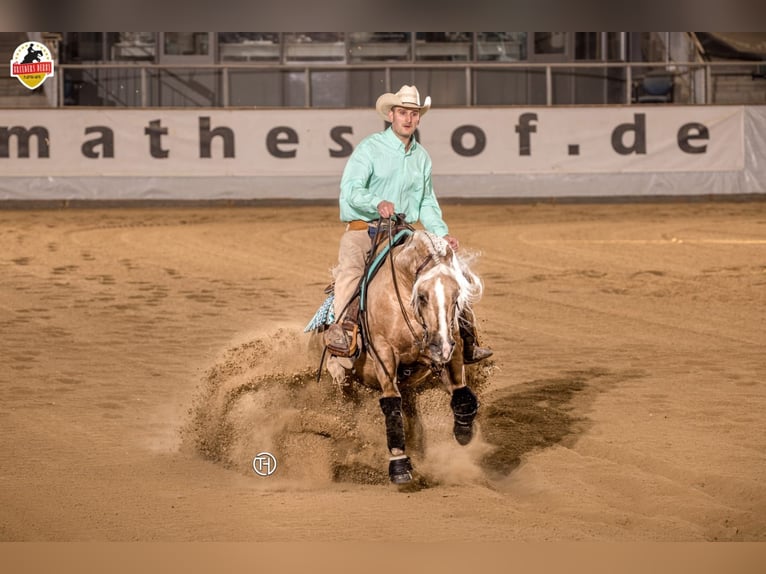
(472, 352)
(341, 338)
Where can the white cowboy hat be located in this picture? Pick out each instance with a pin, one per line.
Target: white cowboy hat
(406, 97)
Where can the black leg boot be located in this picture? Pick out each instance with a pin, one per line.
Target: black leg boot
(399, 465)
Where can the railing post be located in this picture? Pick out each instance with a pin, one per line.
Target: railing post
(708, 84)
(468, 84)
(628, 84)
(548, 85)
(60, 88)
(144, 84)
(225, 87)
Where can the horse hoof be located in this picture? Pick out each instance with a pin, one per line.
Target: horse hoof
(463, 433)
(399, 470)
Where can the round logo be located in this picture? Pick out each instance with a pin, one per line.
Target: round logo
(32, 63)
(264, 464)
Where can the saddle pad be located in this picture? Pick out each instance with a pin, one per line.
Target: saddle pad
(377, 262)
(324, 316)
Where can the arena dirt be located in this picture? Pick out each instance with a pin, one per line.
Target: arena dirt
(150, 353)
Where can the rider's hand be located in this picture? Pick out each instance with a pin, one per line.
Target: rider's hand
(453, 242)
(386, 209)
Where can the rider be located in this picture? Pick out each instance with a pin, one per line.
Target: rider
(388, 173)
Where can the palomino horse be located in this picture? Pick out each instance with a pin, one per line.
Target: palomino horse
(409, 312)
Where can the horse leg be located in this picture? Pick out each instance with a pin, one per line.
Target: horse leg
(399, 465)
(337, 371)
(464, 403)
(413, 426)
(464, 408)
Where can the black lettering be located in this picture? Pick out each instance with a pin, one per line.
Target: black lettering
(346, 148)
(155, 131)
(524, 128)
(479, 140)
(278, 136)
(206, 135)
(638, 127)
(22, 141)
(692, 131)
(106, 142)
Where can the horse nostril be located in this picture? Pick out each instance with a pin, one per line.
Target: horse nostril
(441, 350)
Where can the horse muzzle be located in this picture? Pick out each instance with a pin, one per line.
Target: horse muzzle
(439, 350)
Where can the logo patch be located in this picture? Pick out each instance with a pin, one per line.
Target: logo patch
(32, 63)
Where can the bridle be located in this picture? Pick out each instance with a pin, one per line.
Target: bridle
(393, 222)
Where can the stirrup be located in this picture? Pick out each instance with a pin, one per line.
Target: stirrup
(341, 342)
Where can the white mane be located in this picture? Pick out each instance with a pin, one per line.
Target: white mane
(470, 285)
(437, 246)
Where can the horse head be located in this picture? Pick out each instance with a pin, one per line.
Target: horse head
(435, 297)
(444, 285)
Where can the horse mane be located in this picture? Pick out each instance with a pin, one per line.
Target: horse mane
(450, 262)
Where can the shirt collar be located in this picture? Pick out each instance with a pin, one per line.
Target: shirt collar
(395, 142)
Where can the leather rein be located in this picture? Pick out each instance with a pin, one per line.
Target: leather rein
(398, 222)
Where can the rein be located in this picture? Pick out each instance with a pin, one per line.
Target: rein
(393, 222)
(422, 266)
(401, 303)
(419, 342)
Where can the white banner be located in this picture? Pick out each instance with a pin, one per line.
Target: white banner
(304, 143)
(586, 140)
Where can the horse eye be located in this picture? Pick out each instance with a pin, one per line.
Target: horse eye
(423, 298)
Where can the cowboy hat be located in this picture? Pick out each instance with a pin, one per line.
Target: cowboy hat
(407, 97)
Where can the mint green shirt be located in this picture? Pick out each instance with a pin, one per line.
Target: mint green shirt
(379, 169)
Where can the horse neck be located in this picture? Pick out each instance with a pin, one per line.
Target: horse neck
(415, 257)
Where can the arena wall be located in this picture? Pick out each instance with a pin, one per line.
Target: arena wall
(254, 154)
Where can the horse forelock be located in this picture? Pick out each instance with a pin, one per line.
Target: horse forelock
(430, 244)
(469, 286)
(446, 261)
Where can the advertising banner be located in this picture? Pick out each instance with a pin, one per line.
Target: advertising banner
(300, 153)
(172, 143)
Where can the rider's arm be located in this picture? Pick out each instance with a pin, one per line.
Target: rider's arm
(430, 211)
(357, 201)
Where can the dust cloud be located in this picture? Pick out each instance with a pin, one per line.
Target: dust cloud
(263, 395)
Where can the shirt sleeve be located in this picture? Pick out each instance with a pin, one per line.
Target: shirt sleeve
(430, 211)
(356, 199)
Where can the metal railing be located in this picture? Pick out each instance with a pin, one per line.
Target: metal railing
(508, 83)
